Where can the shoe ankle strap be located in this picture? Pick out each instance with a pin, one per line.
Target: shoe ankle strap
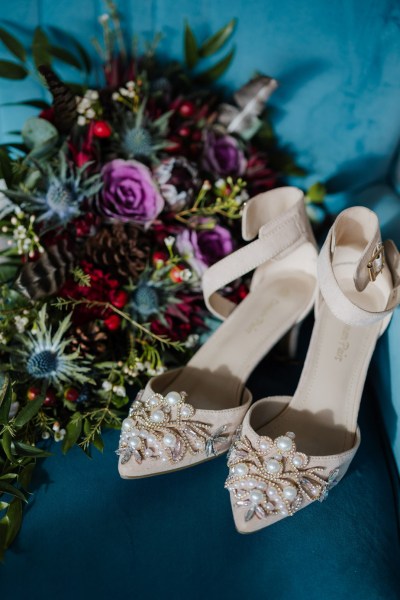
(279, 219)
(376, 260)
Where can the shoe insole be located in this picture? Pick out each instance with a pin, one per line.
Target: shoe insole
(215, 376)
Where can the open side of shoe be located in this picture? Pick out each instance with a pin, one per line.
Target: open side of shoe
(212, 386)
(310, 439)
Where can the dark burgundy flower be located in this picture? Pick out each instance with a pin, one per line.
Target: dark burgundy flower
(222, 155)
(178, 181)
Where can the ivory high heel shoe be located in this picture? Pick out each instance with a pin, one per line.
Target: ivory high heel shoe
(189, 415)
(291, 451)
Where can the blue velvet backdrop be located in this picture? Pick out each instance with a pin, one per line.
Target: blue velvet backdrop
(338, 110)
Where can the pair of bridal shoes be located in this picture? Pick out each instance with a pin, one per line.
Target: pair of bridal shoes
(284, 452)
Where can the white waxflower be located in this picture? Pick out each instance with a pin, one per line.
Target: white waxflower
(106, 385)
(192, 340)
(119, 390)
(20, 323)
(169, 241)
(59, 435)
(186, 274)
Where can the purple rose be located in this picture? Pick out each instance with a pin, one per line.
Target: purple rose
(204, 247)
(222, 155)
(129, 193)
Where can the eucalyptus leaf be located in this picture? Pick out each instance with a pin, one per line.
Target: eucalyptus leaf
(191, 51)
(217, 70)
(10, 70)
(14, 514)
(41, 48)
(37, 133)
(7, 273)
(6, 443)
(13, 44)
(5, 398)
(7, 488)
(73, 432)
(98, 442)
(26, 475)
(65, 56)
(30, 409)
(28, 450)
(216, 41)
(4, 524)
(8, 476)
(4, 505)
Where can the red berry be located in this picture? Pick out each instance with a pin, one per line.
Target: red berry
(186, 109)
(184, 131)
(112, 322)
(101, 129)
(71, 394)
(119, 298)
(50, 399)
(175, 274)
(159, 258)
(175, 146)
(33, 393)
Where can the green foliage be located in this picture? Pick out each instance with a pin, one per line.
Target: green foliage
(13, 44)
(195, 52)
(316, 193)
(41, 50)
(11, 70)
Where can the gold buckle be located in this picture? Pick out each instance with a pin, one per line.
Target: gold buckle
(377, 262)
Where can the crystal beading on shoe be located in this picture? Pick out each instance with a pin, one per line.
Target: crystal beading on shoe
(272, 478)
(163, 428)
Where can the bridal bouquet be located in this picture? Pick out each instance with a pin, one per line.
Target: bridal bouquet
(116, 201)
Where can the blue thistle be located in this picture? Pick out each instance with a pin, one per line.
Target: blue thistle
(145, 300)
(43, 354)
(60, 196)
(137, 142)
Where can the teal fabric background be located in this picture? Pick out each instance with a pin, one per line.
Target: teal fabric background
(89, 534)
(336, 108)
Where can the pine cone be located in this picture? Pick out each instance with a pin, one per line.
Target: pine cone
(89, 338)
(123, 247)
(64, 101)
(45, 276)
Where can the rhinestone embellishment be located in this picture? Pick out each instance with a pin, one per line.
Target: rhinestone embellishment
(273, 478)
(164, 428)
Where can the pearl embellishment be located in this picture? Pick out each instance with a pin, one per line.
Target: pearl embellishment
(135, 442)
(169, 440)
(173, 398)
(273, 466)
(186, 412)
(127, 424)
(241, 469)
(157, 416)
(284, 443)
(290, 492)
(256, 496)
